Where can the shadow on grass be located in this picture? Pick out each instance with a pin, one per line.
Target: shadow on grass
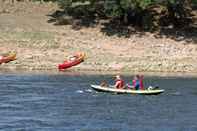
(115, 28)
(59, 18)
(187, 33)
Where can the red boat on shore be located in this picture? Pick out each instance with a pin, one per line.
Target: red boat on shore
(7, 58)
(72, 61)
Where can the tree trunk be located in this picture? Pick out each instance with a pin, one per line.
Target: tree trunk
(125, 20)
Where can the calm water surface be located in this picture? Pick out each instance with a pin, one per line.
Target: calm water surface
(66, 102)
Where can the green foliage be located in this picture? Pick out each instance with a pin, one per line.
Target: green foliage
(179, 11)
(46, 0)
(128, 11)
(112, 8)
(65, 3)
(194, 2)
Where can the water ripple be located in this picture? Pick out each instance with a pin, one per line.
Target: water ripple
(67, 103)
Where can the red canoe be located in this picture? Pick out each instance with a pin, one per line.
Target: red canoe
(69, 63)
(7, 58)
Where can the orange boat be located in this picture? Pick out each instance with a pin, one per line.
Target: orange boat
(72, 61)
(7, 58)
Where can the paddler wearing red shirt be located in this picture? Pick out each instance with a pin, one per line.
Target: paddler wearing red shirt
(119, 82)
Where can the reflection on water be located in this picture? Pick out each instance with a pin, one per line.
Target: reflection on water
(65, 102)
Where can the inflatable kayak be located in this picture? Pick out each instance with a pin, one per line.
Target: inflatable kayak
(127, 91)
(7, 58)
(72, 61)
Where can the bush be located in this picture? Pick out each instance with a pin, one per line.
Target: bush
(136, 12)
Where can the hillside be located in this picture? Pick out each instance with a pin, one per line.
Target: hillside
(40, 44)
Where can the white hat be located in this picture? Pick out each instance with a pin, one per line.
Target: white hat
(117, 76)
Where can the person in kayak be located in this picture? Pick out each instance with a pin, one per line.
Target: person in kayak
(119, 82)
(141, 77)
(138, 82)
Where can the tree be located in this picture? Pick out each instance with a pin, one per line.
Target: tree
(137, 12)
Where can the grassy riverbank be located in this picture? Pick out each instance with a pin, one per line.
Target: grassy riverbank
(27, 28)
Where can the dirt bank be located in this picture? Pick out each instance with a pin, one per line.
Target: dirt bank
(41, 45)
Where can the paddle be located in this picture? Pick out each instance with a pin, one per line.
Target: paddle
(129, 87)
(153, 88)
(105, 84)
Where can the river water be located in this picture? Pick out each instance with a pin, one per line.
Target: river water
(66, 102)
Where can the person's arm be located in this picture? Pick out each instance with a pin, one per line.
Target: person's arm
(117, 84)
(134, 83)
(129, 86)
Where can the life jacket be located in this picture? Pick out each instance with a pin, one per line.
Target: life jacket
(141, 83)
(136, 84)
(119, 84)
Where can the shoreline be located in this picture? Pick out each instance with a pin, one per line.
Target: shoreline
(78, 71)
(85, 67)
(41, 45)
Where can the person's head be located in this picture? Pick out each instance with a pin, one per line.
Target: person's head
(118, 77)
(136, 77)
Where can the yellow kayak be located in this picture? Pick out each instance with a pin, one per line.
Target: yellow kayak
(127, 91)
